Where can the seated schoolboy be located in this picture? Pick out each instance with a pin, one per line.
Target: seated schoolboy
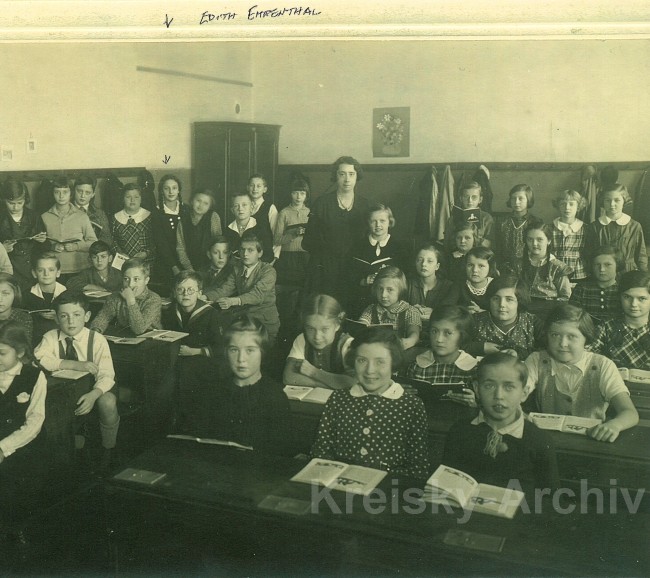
(626, 339)
(220, 264)
(241, 207)
(246, 407)
(73, 346)
(250, 286)
(136, 307)
(23, 452)
(569, 380)
(100, 276)
(599, 295)
(317, 357)
(199, 353)
(375, 423)
(471, 197)
(10, 299)
(500, 444)
(46, 270)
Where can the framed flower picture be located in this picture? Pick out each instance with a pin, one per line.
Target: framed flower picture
(391, 131)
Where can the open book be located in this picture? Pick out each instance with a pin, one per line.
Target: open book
(340, 476)
(563, 423)
(305, 393)
(470, 216)
(64, 241)
(635, 375)
(457, 489)
(354, 327)
(164, 335)
(209, 441)
(124, 340)
(72, 374)
(96, 294)
(372, 267)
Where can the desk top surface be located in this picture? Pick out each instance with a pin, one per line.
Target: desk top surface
(237, 481)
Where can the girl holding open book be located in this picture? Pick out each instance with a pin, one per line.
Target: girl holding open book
(375, 423)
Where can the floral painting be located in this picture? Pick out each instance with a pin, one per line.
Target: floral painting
(390, 132)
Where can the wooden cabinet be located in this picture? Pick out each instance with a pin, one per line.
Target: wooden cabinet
(225, 154)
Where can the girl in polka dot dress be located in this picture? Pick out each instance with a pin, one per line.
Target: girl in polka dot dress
(375, 423)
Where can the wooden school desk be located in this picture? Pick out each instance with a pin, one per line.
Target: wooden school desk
(206, 508)
(59, 425)
(627, 460)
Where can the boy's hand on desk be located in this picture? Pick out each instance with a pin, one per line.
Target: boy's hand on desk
(87, 401)
(604, 432)
(466, 398)
(228, 302)
(185, 351)
(128, 296)
(49, 315)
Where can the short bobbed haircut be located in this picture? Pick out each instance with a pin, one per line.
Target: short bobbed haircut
(68, 297)
(14, 190)
(501, 359)
(325, 305)
(131, 187)
(634, 280)
(346, 161)
(430, 246)
(462, 319)
(569, 195)
(521, 188)
(248, 324)
(615, 188)
(380, 208)
(15, 286)
(390, 272)
(207, 192)
(61, 182)
(510, 281)
(384, 336)
(486, 254)
(566, 313)
(14, 335)
(161, 184)
(606, 250)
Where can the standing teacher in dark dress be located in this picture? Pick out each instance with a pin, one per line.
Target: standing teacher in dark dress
(336, 221)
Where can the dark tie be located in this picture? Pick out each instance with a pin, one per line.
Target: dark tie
(70, 351)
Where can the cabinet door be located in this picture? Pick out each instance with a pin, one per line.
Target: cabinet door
(210, 161)
(266, 156)
(241, 159)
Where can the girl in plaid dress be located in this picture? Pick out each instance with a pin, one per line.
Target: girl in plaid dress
(451, 329)
(568, 232)
(131, 227)
(626, 340)
(510, 232)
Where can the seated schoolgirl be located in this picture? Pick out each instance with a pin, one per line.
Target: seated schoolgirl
(20, 230)
(246, 407)
(10, 300)
(389, 290)
(500, 444)
(375, 423)
(464, 241)
(599, 294)
(480, 270)
(570, 380)
(568, 236)
(547, 278)
(510, 231)
(132, 227)
(425, 290)
(196, 230)
(626, 339)
(100, 276)
(199, 353)
(84, 199)
(617, 229)
(377, 246)
(69, 230)
(289, 232)
(23, 453)
(507, 325)
(317, 357)
(451, 328)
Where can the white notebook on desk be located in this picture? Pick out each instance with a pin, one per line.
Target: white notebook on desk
(318, 395)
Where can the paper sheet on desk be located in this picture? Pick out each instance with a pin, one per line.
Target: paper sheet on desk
(635, 375)
(69, 374)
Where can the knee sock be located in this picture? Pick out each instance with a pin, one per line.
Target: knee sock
(109, 434)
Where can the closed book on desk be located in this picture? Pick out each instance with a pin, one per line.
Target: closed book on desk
(449, 486)
(209, 441)
(97, 294)
(340, 476)
(140, 476)
(563, 423)
(164, 335)
(428, 390)
(124, 340)
(69, 374)
(318, 395)
(354, 327)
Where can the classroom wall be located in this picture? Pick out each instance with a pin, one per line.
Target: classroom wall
(88, 107)
(537, 100)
